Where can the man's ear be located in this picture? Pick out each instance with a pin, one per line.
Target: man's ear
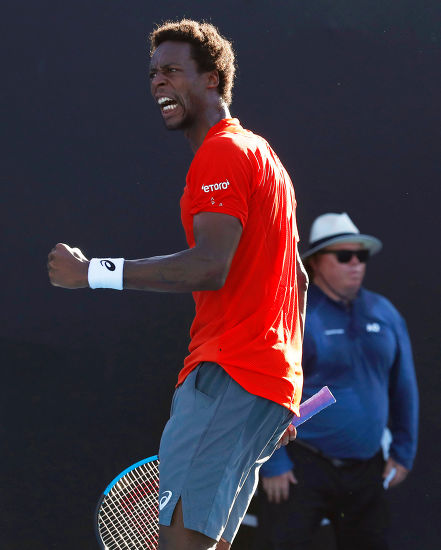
(213, 79)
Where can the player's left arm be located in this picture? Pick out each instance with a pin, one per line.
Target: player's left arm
(302, 288)
(203, 267)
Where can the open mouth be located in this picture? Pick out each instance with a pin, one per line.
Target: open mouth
(167, 104)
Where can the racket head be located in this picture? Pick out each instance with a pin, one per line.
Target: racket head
(126, 516)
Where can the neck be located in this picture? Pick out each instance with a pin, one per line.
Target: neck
(332, 292)
(197, 132)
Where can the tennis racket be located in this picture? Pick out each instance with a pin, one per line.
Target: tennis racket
(127, 512)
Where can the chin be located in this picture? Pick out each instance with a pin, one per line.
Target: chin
(183, 123)
(172, 127)
(353, 290)
(172, 124)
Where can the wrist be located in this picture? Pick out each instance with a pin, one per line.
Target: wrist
(106, 273)
(84, 283)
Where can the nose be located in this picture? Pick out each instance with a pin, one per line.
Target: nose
(157, 80)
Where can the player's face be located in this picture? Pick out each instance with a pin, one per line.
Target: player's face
(345, 278)
(177, 86)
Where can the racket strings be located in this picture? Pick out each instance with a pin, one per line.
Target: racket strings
(138, 510)
(140, 507)
(128, 517)
(135, 512)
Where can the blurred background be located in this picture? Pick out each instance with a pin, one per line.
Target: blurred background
(348, 94)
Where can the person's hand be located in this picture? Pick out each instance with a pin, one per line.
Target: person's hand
(67, 267)
(400, 475)
(289, 435)
(277, 487)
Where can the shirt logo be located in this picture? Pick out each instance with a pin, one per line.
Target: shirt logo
(215, 186)
(166, 496)
(332, 331)
(373, 327)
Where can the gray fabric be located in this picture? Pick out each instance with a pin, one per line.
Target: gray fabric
(211, 449)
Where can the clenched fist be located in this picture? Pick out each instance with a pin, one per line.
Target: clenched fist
(67, 267)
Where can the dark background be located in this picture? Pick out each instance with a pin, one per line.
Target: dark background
(347, 93)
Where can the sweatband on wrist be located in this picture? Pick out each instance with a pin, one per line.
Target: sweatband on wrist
(106, 273)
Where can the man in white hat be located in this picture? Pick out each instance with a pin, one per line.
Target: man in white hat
(357, 343)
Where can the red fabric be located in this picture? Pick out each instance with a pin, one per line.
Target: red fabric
(251, 325)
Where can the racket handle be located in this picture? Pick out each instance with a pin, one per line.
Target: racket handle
(313, 405)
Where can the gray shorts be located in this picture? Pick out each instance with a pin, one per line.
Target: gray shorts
(211, 450)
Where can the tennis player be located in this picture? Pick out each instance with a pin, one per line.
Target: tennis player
(241, 382)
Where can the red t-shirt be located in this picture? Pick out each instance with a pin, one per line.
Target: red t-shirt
(251, 325)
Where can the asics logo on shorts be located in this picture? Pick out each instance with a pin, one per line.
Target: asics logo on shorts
(108, 265)
(166, 496)
(215, 186)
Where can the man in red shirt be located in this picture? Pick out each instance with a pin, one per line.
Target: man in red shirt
(241, 382)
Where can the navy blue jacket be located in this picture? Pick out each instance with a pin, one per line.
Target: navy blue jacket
(363, 353)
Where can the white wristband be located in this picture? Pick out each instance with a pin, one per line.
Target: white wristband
(106, 273)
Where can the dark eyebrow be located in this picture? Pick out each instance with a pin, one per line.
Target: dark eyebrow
(166, 66)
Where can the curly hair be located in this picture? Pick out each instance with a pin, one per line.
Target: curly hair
(210, 49)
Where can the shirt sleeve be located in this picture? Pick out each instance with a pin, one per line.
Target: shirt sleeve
(278, 464)
(220, 179)
(404, 401)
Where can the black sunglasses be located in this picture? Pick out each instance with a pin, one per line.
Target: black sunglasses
(345, 256)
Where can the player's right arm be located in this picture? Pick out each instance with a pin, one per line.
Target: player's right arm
(203, 267)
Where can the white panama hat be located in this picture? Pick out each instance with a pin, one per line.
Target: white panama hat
(333, 228)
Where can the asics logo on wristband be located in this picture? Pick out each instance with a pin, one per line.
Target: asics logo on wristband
(108, 265)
